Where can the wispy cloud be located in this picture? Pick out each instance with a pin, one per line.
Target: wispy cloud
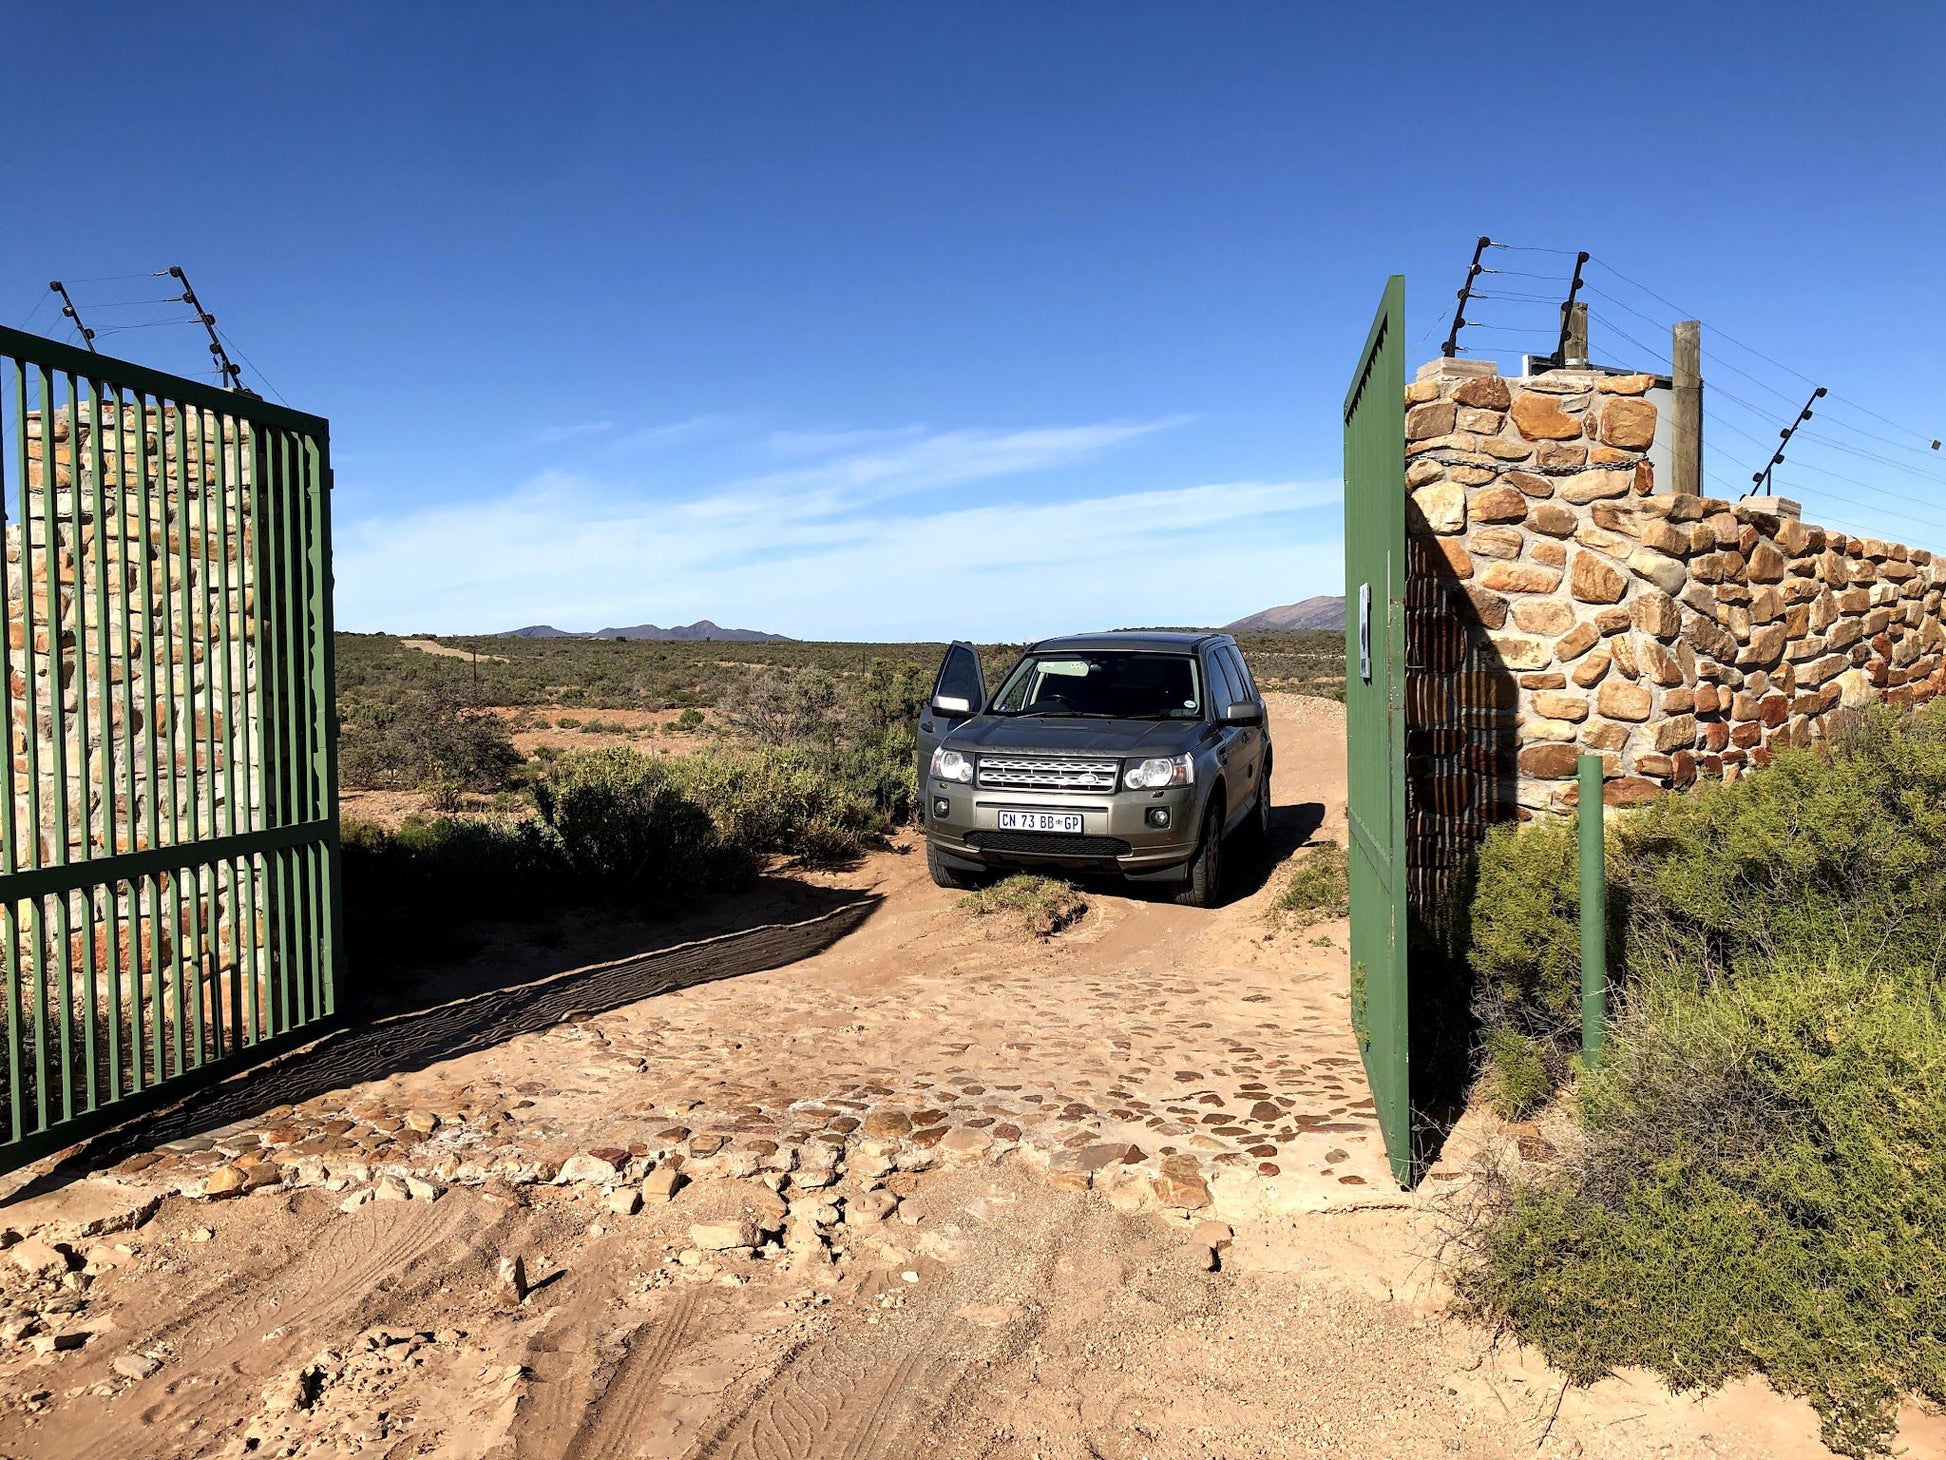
(547, 435)
(824, 443)
(918, 464)
(894, 540)
(668, 433)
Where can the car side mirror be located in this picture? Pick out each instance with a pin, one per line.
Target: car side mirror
(1244, 712)
(951, 705)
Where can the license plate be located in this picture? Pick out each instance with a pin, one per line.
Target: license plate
(1061, 821)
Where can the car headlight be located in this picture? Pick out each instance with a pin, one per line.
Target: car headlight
(1150, 775)
(950, 765)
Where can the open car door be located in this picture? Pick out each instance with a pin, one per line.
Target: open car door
(959, 692)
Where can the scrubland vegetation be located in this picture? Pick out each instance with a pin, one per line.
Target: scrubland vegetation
(811, 766)
(540, 773)
(1759, 1179)
(797, 748)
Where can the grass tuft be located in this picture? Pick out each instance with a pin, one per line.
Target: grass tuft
(1317, 890)
(1031, 905)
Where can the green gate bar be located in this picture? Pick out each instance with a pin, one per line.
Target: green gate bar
(169, 838)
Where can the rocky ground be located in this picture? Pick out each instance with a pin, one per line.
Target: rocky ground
(896, 1186)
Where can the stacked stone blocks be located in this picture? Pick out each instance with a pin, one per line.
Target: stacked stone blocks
(1678, 637)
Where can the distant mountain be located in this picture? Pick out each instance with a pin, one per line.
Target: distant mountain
(1324, 612)
(701, 629)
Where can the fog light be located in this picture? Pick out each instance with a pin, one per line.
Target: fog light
(941, 807)
(1158, 816)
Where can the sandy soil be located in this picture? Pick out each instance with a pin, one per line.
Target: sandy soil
(447, 651)
(1113, 1195)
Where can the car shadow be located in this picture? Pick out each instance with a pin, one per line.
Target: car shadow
(1246, 868)
(1292, 829)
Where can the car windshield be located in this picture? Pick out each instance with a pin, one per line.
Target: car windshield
(1112, 684)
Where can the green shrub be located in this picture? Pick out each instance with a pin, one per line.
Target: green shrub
(1519, 1077)
(414, 892)
(1831, 852)
(1523, 941)
(405, 739)
(627, 829)
(1764, 1190)
(791, 801)
(1319, 888)
(688, 721)
(1035, 906)
(778, 706)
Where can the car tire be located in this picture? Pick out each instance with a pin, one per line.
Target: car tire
(1204, 886)
(944, 874)
(1260, 818)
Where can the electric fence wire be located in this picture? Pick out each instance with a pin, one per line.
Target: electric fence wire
(1721, 392)
(1797, 462)
(1929, 445)
(121, 278)
(1768, 360)
(149, 324)
(1718, 390)
(191, 319)
(1835, 445)
(254, 370)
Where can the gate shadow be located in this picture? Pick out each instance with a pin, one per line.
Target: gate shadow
(1462, 705)
(408, 1041)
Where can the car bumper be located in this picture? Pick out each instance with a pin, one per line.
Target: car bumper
(1117, 834)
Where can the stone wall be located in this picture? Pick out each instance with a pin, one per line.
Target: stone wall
(1679, 637)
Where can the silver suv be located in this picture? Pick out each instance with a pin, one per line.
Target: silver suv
(1134, 753)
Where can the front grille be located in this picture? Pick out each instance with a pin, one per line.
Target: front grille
(1048, 844)
(1007, 773)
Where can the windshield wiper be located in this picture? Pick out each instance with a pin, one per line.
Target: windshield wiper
(1062, 715)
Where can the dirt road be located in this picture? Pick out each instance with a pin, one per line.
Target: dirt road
(872, 1184)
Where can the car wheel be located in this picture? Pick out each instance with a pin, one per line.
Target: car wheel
(944, 874)
(1260, 821)
(1204, 888)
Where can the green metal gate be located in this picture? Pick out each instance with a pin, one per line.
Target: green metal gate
(169, 890)
(1375, 572)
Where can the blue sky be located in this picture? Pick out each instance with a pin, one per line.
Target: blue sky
(886, 321)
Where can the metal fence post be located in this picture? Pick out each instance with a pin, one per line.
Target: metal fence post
(1594, 909)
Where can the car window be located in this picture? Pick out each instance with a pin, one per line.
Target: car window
(1240, 671)
(1107, 684)
(1222, 692)
(959, 676)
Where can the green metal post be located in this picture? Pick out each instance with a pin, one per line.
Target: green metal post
(1594, 910)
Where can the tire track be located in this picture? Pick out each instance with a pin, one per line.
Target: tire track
(376, 1258)
(815, 1408)
(866, 1393)
(613, 1426)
